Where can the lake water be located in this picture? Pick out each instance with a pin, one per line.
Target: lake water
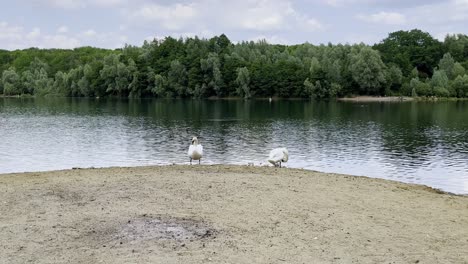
(417, 142)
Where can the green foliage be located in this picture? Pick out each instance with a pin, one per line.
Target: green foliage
(439, 79)
(446, 64)
(441, 92)
(212, 77)
(414, 73)
(419, 88)
(458, 70)
(160, 86)
(404, 63)
(457, 45)
(367, 69)
(460, 86)
(243, 82)
(309, 88)
(318, 90)
(116, 74)
(10, 80)
(393, 79)
(60, 86)
(177, 78)
(409, 49)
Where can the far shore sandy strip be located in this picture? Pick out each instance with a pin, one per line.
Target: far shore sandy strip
(225, 214)
(376, 99)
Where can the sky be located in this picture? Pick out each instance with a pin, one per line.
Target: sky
(114, 23)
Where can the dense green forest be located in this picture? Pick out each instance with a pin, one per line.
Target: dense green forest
(410, 63)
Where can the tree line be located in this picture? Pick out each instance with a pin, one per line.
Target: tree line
(407, 63)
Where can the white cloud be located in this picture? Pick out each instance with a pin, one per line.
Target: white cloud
(314, 24)
(10, 33)
(60, 42)
(173, 17)
(394, 4)
(461, 2)
(388, 18)
(272, 15)
(89, 33)
(66, 4)
(247, 15)
(34, 34)
(274, 39)
(77, 4)
(362, 38)
(107, 3)
(278, 21)
(441, 35)
(264, 15)
(16, 37)
(62, 29)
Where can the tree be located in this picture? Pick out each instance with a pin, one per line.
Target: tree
(60, 85)
(333, 72)
(402, 63)
(315, 69)
(243, 82)
(393, 79)
(42, 83)
(457, 45)
(446, 64)
(460, 86)
(414, 73)
(439, 79)
(74, 76)
(367, 69)
(10, 82)
(309, 88)
(160, 86)
(335, 90)
(212, 73)
(177, 78)
(409, 49)
(27, 82)
(419, 88)
(458, 70)
(116, 75)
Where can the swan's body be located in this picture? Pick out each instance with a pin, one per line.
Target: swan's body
(277, 156)
(195, 151)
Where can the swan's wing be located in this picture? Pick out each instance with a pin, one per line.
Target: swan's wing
(200, 149)
(190, 150)
(276, 155)
(285, 155)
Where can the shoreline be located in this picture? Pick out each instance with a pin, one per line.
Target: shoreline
(225, 214)
(376, 99)
(416, 185)
(363, 99)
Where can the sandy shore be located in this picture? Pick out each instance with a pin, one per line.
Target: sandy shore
(376, 99)
(225, 214)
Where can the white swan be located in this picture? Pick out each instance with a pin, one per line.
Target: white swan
(278, 155)
(195, 151)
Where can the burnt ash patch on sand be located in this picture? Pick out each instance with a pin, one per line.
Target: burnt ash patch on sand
(164, 229)
(148, 232)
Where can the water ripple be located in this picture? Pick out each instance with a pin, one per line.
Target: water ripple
(410, 142)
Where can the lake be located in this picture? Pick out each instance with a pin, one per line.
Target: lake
(415, 142)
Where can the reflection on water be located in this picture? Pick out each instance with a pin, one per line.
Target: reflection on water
(415, 142)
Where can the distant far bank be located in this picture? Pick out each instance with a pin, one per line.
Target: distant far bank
(376, 99)
(360, 98)
(406, 63)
